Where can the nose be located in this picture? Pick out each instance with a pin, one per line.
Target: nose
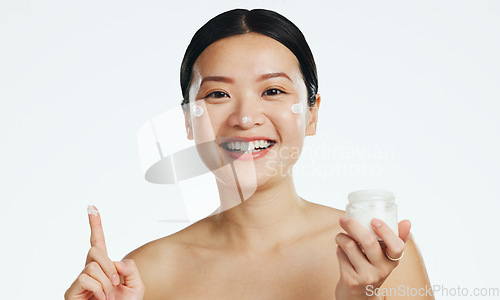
(247, 113)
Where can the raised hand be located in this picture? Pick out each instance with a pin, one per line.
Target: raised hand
(362, 260)
(100, 279)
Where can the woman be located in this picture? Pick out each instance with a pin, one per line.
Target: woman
(250, 92)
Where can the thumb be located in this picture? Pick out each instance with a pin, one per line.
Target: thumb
(131, 277)
(404, 229)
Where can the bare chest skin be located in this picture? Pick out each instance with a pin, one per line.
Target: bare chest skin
(304, 269)
(310, 272)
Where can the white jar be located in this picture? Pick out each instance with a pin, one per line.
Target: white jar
(364, 205)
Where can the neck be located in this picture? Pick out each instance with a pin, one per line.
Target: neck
(273, 215)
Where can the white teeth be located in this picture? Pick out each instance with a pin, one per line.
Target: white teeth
(248, 146)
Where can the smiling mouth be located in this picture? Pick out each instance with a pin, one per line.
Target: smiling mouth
(248, 147)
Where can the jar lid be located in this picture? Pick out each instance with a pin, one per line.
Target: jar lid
(371, 195)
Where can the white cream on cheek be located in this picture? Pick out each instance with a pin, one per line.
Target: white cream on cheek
(297, 108)
(193, 91)
(203, 130)
(197, 110)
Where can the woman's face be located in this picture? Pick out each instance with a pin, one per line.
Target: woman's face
(250, 88)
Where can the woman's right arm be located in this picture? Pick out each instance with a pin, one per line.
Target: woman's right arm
(100, 279)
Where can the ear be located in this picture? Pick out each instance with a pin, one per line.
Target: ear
(187, 123)
(313, 117)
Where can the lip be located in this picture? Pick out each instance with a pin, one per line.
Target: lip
(246, 156)
(244, 139)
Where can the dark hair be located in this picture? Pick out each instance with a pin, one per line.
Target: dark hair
(241, 21)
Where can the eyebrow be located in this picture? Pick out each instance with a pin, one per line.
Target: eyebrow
(230, 80)
(273, 75)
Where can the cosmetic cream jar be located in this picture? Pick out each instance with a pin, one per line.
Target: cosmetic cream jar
(364, 205)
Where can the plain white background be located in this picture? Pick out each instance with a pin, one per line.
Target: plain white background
(410, 103)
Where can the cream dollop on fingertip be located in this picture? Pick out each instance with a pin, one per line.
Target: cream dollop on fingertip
(92, 210)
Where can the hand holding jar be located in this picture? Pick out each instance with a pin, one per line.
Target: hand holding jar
(372, 248)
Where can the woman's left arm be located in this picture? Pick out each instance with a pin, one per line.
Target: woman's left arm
(367, 272)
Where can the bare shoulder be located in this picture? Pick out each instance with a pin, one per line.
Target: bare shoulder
(410, 274)
(159, 261)
(325, 214)
(323, 222)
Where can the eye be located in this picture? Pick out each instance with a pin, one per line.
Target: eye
(273, 92)
(216, 94)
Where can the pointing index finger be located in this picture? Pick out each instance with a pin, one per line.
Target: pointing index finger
(96, 232)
